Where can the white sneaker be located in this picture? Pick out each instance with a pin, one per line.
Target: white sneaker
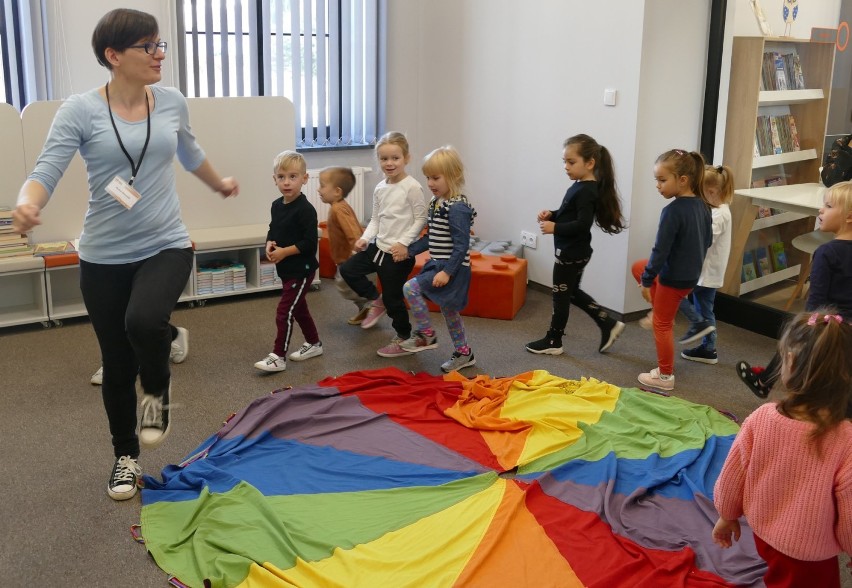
(271, 363)
(180, 346)
(307, 351)
(155, 424)
(98, 377)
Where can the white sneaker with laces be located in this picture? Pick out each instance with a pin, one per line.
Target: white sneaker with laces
(307, 351)
(155, 423)
(180, 346)
(271, 363)
(98, 377)
(123, 482)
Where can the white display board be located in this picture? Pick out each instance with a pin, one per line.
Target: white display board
(241, 137)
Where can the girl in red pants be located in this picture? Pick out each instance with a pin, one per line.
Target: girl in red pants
(684, 234)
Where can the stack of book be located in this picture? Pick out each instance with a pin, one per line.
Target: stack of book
(239, 276)
(781, 71)
(11, 244)
(220, 275)
(268, 275)
(776, 134)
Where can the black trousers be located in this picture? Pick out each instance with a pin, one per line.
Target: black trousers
(567, 276)
(129, 306)
(392, 274)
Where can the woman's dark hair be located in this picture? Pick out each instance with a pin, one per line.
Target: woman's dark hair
(608, 211)
(121, 28)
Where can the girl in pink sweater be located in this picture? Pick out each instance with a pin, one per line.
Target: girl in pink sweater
(789, 471)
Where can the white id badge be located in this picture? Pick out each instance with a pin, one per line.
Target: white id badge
(123, 192)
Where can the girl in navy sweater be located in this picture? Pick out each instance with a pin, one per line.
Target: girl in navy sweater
(592, 198)
(683, 237)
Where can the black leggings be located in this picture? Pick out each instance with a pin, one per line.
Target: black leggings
(129, 306)
(566, 291)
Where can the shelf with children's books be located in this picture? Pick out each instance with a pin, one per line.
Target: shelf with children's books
(774, 136)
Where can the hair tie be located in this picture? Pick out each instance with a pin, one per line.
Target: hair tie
(719, 169)
(826, 318)
(679, 152)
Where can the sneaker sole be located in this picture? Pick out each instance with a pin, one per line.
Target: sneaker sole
(122, 495)
(419, 349)
(613, 335)
(381, 354)
(551, 351)
(270, 370)
(707, 360)
(699, 335)
(154, 443)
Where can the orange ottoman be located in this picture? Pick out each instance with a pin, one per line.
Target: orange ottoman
(498, 285)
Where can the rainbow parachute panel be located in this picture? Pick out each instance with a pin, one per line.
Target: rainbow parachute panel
(384, 478)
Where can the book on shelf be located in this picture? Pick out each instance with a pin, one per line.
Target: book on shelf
(798, 76)
(764, 267)
(764, 212)
(749, 270)
(53, 248)
(776, 181)
(20, 251)
(778, 256)
(780, 73)
(775, 134)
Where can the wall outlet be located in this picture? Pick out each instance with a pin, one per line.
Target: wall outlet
(529, 239)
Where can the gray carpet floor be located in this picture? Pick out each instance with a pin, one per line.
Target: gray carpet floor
(59, 526)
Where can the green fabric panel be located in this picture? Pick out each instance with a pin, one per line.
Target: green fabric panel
(218, 536)
(642, 424)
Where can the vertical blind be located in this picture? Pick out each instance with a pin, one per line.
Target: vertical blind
(321, 54)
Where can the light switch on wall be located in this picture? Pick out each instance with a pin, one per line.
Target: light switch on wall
(609, 97)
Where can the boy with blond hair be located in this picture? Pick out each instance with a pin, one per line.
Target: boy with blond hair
(291, 244)
(335, 184)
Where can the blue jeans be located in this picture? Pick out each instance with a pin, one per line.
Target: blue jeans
(701, 310)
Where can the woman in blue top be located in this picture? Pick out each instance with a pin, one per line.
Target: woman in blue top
(135, 252)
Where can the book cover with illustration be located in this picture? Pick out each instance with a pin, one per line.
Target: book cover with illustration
(53, 248)
(749, 271)
(764, 267)
(779, 256)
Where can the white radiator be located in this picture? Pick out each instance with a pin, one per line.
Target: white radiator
(355, 198)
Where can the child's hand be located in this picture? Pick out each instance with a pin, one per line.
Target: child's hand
(270, 247)
(441, 279)
(360, 244)
(399, 251)
(546, 227)
(646, 294)
(723, 530)
(543, 215)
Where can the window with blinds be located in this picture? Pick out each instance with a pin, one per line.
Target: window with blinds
(321, 54)
(11, 90)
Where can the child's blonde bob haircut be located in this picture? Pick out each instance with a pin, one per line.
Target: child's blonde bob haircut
(840, 196)
(445, 161)
(289, 159)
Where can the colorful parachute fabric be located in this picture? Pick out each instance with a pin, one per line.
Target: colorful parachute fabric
(384, 478)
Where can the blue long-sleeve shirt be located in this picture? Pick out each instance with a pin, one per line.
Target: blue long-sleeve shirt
(683, 237)
(831, 277)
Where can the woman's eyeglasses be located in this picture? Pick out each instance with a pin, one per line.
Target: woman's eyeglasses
(151, 47)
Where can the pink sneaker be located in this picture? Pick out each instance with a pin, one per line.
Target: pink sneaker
(393, 349)
(377, 310)
(654, 379)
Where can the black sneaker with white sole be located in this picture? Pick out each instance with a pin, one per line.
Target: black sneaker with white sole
(124, 480)
(696, 332)
(550, 344)
(155, 419)
(700, 354)
(609, 334)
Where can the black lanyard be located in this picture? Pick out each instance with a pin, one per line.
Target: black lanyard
(134, 167)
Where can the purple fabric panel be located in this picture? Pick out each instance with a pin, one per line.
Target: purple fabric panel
(317, 415)
(669, 524)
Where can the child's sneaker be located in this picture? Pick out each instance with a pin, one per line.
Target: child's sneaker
(359, 318)
(375, 311)
(393, 349)
(155, 423)
(700, 354)
(609, 334)
(550, 344)
(458, 361)
(751, 378)
(180, 346)
(123, 481)
(307, 351)
(647, 321)
(271, 363)
(696, 332)
(419, 342)
(98, 377)
(655, 379)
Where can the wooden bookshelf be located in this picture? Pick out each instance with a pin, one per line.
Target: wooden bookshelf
(746, 101)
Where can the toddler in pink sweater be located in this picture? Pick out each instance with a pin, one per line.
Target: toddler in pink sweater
(789, 471)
